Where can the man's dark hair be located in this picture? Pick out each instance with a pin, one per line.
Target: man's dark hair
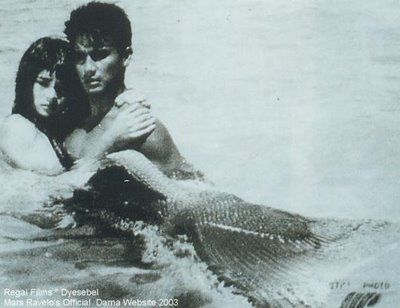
(100, 20)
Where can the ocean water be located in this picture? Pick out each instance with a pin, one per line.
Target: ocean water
(296, 101)
(290, 104)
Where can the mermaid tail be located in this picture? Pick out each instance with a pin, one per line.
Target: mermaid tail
(249, 246)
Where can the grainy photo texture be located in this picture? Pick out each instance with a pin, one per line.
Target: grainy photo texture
(199, 154)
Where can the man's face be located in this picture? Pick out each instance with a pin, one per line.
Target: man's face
(98, 64)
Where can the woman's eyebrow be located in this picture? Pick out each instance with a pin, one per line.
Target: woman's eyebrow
(44, 78)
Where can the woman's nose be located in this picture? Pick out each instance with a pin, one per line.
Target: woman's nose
(53, 103)
(51, 95)
(53, 100)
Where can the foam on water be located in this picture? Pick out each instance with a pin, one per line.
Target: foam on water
(42, 247)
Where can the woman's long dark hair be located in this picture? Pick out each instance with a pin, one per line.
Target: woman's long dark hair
(54, 55)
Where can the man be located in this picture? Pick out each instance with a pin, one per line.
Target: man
(100, 36)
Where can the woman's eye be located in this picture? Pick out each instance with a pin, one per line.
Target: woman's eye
(43, 82)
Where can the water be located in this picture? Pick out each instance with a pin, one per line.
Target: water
(296, 101)
(289, 104)
(42, 247)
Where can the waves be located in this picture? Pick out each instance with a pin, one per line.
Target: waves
(43, 246)
(143, 266)
(44, 243)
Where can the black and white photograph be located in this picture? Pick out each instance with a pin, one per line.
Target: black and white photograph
(200, 153)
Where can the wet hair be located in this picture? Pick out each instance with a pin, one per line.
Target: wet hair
(101, 21)
(50, 54)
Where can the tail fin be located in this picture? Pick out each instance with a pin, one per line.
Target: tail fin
(253, 247)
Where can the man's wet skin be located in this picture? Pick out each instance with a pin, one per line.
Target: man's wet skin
(117, 119)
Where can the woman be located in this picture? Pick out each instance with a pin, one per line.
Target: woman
(49, 104)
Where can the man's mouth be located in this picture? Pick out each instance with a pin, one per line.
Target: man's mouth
(93, 83)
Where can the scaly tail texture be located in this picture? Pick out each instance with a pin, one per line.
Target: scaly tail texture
(360, 300)
(250, 246)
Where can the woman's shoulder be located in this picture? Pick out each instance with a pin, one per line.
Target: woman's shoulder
(17, 120)
(24, 146)
(17, 123)
(17, 128)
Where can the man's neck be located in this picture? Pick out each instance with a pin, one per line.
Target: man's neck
(99, 106)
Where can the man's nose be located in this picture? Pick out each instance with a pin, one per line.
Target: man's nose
(89, 67)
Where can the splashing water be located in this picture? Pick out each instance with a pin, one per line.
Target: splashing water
(43, 247)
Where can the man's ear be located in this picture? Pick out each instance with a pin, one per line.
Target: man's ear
(127, 56)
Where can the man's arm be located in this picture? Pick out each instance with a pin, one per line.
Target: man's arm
(161, 150)
(83, 144)
(130, 125)
(122, 128)
(157, 147)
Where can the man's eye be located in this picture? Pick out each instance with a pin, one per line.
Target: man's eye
(79, 57)
(99, 54)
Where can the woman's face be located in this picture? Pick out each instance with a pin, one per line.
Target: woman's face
(45, 98)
